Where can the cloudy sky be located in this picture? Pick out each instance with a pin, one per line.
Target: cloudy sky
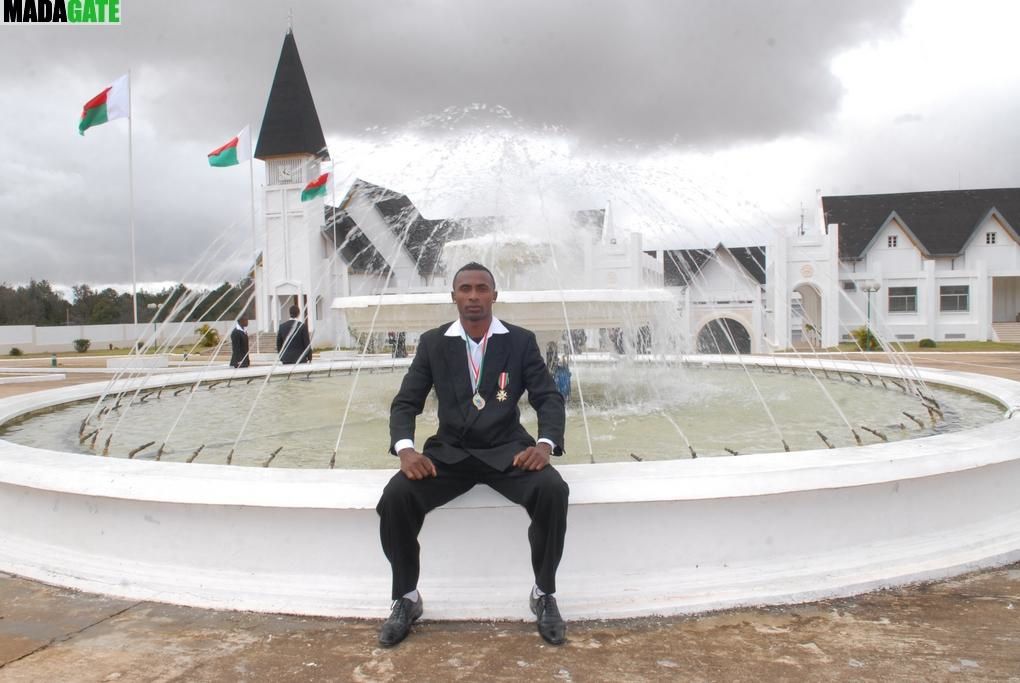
(697, 119)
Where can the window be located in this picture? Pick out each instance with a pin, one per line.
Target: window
(903, 299)
(849, 286)
(891, 241)
(954, 298)
(989, 238)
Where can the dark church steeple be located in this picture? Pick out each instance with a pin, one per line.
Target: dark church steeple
(290, 125)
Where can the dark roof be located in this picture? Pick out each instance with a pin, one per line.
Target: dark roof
(290, 124)
(423, 238)
(681, 265)
(753, 261)
(357, 250)
(941, 221)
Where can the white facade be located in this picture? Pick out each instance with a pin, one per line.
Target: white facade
(813, 297)
(915, 295)
(721, 290)
(296, 256)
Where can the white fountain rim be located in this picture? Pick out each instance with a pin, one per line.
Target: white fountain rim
(623, 482)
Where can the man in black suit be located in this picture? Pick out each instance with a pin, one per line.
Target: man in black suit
(292, 341)
(479, 367)
(239, 345)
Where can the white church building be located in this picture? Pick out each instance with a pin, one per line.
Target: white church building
(936, 265)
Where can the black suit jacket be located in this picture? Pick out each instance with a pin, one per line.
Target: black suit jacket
(494, 434)
(293, 346)
(239, 349)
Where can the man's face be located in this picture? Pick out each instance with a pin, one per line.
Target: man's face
(243, 322)
(474, 294)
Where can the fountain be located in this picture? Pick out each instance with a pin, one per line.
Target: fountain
(662, 531)
(678, 525)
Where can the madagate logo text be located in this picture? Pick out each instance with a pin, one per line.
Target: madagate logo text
(61, 11)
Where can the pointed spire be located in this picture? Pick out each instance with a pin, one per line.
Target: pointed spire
(608, 228)
(290, 124)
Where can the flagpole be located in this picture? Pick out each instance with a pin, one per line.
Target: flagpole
(333, 258)
(131, 208)
(254, 242)
(332, 187)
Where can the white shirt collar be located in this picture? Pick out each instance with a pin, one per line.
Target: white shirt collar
(237, 326)
(495, 327)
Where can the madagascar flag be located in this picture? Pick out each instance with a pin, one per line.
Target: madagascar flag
(234, 152)
(316, 188)
(113, 103)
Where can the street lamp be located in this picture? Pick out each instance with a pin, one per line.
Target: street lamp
(869, 286)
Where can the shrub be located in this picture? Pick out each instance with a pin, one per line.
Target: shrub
(208, 335)
(926, 343)
(15, 351)
(866, 339)
(81, 345)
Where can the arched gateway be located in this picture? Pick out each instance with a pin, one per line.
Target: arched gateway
(724, 335)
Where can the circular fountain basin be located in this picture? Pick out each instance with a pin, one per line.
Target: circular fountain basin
(646, 408)
(653, 537)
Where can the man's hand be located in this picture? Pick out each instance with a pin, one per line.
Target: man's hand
(414, 465)
(533, 458)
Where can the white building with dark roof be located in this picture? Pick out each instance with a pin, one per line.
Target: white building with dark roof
(939, 265)
(376, 241)
(720, 296)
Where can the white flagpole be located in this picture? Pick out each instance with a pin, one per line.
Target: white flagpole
(254, 242)
(333, 261)
(332, 187)
(131, 208)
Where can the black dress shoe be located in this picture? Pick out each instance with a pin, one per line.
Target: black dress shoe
(550, 624)
(405, 612)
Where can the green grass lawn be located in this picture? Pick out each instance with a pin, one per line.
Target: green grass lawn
(111, 352)
(947, 346)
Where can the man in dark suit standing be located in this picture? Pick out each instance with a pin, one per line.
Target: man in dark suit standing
(480, 368)
(239, 345)
(292, 341)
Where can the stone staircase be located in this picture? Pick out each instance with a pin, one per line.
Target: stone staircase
(266, 342)
(1007, 332)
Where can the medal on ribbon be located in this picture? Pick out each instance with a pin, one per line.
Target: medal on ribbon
(504, 379)
(476, 372)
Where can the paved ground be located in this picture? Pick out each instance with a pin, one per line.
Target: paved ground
(965, 629)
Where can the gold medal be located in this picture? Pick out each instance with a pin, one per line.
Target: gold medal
(500, 395)
(478, 401)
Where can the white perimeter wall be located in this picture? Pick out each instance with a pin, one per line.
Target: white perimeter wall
(33, 339)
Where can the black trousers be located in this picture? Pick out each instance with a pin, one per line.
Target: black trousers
(404, 504)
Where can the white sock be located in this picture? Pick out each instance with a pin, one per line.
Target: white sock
(412, 596)
(537, 592)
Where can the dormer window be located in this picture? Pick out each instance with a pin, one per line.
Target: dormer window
(989, 238)
(891, 241)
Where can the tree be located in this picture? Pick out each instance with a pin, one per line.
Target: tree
(34, 304)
